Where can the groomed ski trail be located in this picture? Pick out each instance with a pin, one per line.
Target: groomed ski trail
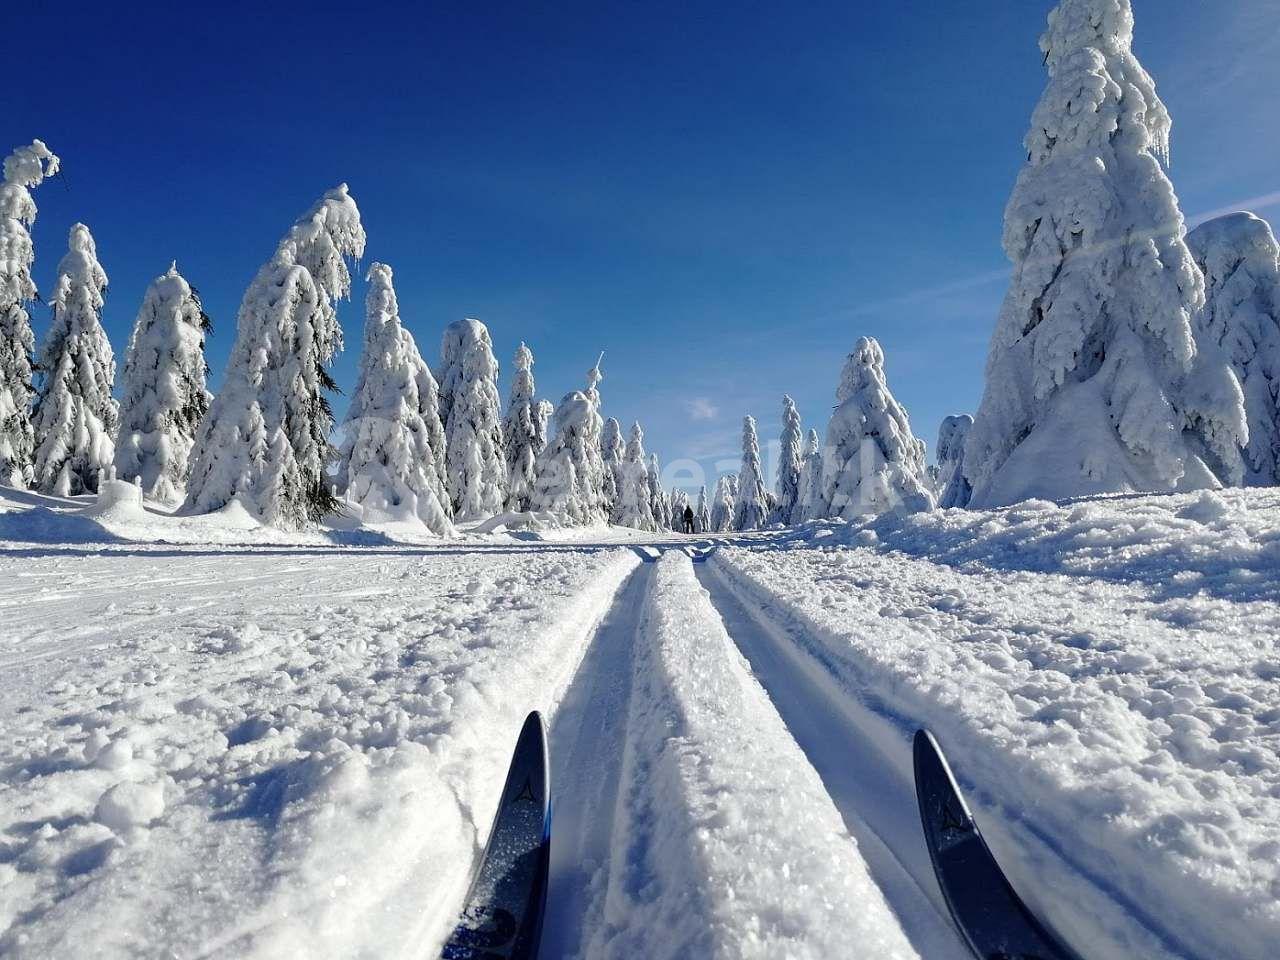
(724, 842)
(802, 673)
(587, 739)
(850, 749)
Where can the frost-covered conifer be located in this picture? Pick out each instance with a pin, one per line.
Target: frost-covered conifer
(26, 167)
(810, 503)
(75, 418)
(873, 463)
(287, 333)
(520, 435)
(702, 512)
(546, 410)
(469, 407)
(1093, 383)
(750, 508)
(1240, 260)
(612, 453)
(952, 487)
(659, 502)
(790, 464)
(679, 500)
(164, 388)
(635, 507)
(594, 483)
(563, 486)
(387, 464)
(722, 505)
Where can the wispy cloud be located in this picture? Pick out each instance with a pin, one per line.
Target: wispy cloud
(701, 408)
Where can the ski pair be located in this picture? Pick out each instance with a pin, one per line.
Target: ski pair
(991, 917)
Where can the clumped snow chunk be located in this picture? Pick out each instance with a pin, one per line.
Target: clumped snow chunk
(164, 388)
(128, 805)
(741, 850)
(953, 488)
(75, 416)
(750, 508)
(265, 439)
(469, 408)
(1240, 260)
(25, 167)
(872, 462)
(1093, 381)
(387, 463)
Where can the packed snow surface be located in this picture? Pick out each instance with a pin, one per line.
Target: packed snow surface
(262, 744)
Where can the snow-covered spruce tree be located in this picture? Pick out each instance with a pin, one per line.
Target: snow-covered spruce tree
(1240, 260)
(722, 505)
(26, 167)
(612, 453)
(790, 464)
(952, 487)
(679, 500)
(386, 463)
(75, 417)
(702, 512)
(810, 504)
(165, 397)
(593, 480)
(520, 437)
(750, 508)
(562, 485)
(659, 502)
(469, 408)
(873, 463)
(287, 333)
(635, 506)
(1093, 383)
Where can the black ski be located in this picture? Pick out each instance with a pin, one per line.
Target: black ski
(994, 921)
(502, 917)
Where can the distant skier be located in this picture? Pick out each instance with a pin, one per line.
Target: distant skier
(688, 520)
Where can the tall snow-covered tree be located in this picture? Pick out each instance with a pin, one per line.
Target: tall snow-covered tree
(952, 487)
(563, 485)
(750, 508)
(469, 407)
(790, 463)
(165, 396)
(810, 503)
(1093, 382)
(702, 512)
(594, 483)
(679, 500)
(722, 505)
(26, 167)
(1240, 260)
(659, 502)
(521, 441)
(75, 417)
(635, 505)
(287, 333)
(386, 463)
(612, 453)
(873, 463)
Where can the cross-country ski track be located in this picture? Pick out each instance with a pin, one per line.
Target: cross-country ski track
(275, 753)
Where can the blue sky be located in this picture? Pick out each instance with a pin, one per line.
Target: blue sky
(723, 197)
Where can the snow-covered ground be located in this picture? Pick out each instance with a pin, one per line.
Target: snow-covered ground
(292, 748)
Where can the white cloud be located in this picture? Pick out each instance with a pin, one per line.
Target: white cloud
(701, 408)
